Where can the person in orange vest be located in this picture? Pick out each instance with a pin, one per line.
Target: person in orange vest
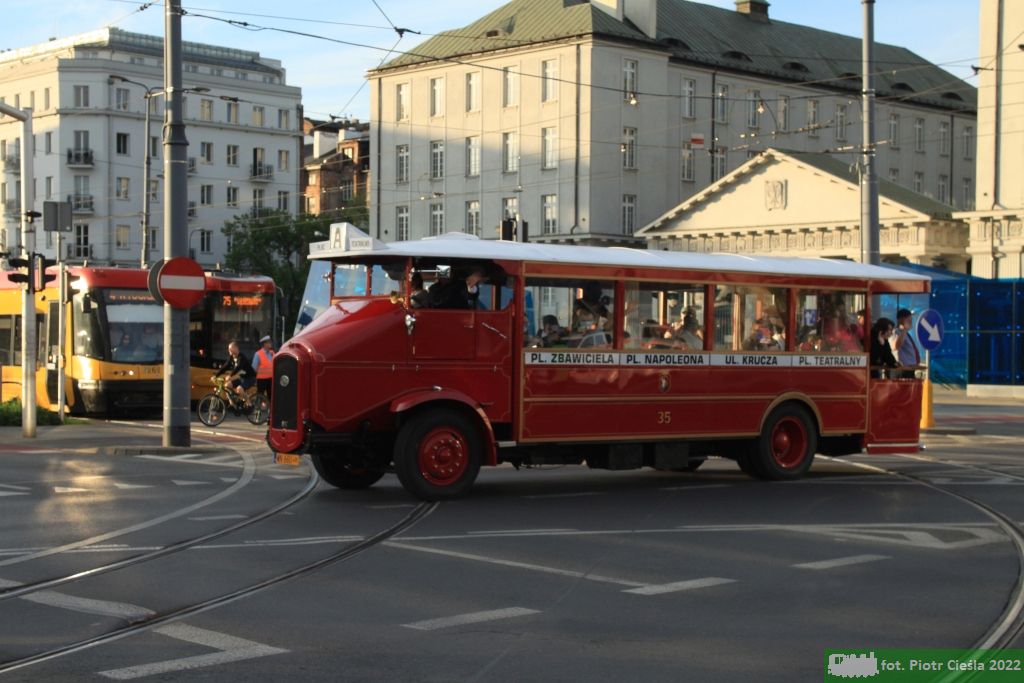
(263, 364)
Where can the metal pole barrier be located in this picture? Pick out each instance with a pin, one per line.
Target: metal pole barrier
(927, 406)
(62, 328)
(146, 163)
(177, 429)
(869, 237)
(28, 300)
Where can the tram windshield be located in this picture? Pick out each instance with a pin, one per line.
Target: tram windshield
(244, 317)
(121, 325)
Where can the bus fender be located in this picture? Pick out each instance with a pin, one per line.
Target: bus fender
(415, 399)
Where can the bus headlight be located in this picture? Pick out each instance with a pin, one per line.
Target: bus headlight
(284, 381)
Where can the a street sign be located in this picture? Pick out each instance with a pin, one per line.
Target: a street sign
(57, 216)
(180, 282)
(930, 329)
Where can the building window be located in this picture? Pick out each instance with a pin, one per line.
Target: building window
(722, 104)
(231, 157)
(437, 97)
(944, 138)
(509, 152)
(284, 159)
(509, 208)
(206, 109)
(894, 175)
(121, 188)
(968, 194)
(628, 214)
(473, 91)
(121, 99)
(718, 160)
(81, 98)
(687, 162)
(232, 197)
(436, 218)
(509, 87)
(206, 152)
(967, 139)
(894, 131)
(154, 147)
(549, 212)
(284, 119)
(628, 148)
(46, 99)
(122, 235)
(473, 155)
(473, 217)
(402, 164)
(48, 186)
(206, 195)
(437, 159)
(549, 80)
(346, 189)
(258, 118)
(549, 147)
(919, 182)
(812, 118)
(689, 101)
(48, 143)
(232, 112)
(782, 115)
(282, 200)
(205, 241)
(402, 102)
(841, 122)
(154, 191)
(754, 108)
(80, 248)
(121, 144)
(918, 135)
(629, 79)
(257, 198)
(943, 189)
(402, 223)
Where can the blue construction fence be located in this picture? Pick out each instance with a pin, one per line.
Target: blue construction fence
(983, 341)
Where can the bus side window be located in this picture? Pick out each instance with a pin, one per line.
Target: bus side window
(664, 316)
(750, 318)
(572, 313)
(828, 323)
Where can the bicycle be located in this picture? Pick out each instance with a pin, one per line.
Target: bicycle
(213, 407)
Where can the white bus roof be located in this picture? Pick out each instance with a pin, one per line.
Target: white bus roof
(347, 242)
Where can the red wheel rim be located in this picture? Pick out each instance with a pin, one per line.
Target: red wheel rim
(789, 442)
(443, 456)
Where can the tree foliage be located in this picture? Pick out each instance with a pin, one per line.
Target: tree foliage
(276, 244)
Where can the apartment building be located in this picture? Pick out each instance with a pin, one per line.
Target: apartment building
(589, 120)
(336, 170)
(89, 95)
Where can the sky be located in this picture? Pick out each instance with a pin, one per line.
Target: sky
(331, 74)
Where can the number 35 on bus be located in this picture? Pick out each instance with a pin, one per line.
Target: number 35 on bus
(442, 355)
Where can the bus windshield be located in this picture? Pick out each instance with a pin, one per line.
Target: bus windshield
(385, 278)
(135, 324)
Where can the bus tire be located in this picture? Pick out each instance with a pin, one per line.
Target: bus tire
(747, 460)
(437, 454)
(787, 444)
(340, 474)
(211, 410)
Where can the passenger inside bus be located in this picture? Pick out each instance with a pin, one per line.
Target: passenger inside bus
(417, 294)
(688, 335)
(552, 333)
(881, 353)
(764, 337)
(459, 293)
(126, 349)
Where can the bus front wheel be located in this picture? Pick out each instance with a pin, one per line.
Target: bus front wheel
(786, 446)
(437, 454)
(341, 474)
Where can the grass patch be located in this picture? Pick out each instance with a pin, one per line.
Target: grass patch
(10, 415)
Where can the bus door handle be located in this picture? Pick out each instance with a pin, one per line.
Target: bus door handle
(495, 330)
(410, 323)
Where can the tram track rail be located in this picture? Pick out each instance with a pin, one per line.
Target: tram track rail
(420, 512)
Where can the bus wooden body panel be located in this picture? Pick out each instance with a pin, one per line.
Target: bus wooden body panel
(375, 382)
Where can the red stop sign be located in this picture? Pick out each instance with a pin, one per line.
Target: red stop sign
(180, 282)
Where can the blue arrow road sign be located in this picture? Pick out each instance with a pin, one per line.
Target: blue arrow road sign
(930, 329)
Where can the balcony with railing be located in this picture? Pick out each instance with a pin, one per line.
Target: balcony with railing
(78, 251)
(12, 163)
(261, 172)
(80, 203)
(12, 207)
(80, 158)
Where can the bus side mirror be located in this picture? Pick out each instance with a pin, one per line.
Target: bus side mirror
(444, 272)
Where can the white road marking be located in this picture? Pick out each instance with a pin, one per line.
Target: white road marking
(230, 649)
(177, 458)
(659, 589)
(294, 476)
(183, 482)
(132, 486)
(14, 488)
(513, 564)
(227, 480)
(281, 543)
(214, 518)
(12, 493)
(515, 532)
(471, 618)
(69, 489)
(841, 562)
(221, 458)
(74, 603)
(565, 495)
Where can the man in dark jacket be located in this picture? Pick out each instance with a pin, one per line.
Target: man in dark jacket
(458, 293)
(241, 376)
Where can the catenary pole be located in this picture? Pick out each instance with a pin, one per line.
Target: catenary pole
(869, 237)
(176, 358)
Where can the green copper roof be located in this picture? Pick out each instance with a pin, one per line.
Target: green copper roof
(695, 33)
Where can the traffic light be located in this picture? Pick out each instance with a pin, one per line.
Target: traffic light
(40, 277)
(24, 265)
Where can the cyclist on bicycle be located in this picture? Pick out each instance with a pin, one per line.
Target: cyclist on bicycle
(241, 376)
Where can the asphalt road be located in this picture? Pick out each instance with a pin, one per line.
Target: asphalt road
(548, 574)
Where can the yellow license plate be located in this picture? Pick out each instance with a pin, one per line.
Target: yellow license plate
(287, 459)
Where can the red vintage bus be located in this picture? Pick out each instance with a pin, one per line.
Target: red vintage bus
(617, 358)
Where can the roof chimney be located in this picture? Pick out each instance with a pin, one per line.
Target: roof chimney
(755, 9)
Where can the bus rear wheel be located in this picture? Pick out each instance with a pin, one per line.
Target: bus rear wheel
(340, 473)
(786, 446)
(437, 454)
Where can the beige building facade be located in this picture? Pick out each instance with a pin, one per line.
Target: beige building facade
(805, 204)
(590, 120)
(997, 223)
